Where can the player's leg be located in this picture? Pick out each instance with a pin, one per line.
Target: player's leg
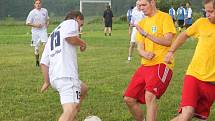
(105, 31)
(37, 57)
(69, 112)
(157, 81)
(132, 44)
(151, 106)
(84, 90)
(69, 91)
(135, 94)
(109, 31)
(36, 44)
(134, 108)
(130, 50)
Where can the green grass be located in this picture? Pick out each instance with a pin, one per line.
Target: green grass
(103, 67)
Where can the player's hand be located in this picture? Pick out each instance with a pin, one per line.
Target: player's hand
(83, 48)
(168, 57)
(148, 55)
(44, 87)
(38, 25)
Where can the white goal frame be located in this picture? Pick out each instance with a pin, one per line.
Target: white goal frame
(93, 1)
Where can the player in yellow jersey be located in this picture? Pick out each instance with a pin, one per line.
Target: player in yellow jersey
(198, 93)
(150, 81)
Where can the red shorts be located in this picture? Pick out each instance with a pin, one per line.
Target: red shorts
(198, 94)
(154, 79)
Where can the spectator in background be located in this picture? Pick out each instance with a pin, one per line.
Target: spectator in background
(137, 16)
(129, 15)
(172, 13)
(180, 17)
(188, 15)
(107, 18)
(38, 20)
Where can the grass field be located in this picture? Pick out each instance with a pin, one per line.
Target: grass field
(103, 67)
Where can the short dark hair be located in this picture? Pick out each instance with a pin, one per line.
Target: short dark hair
(208, 1)
(74, 14)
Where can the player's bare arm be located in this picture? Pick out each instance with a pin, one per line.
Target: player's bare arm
(146, 54)
(77, 41)
(165, 41)
(46, 83)
(176, 44)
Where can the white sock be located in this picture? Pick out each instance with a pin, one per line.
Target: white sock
(129, 58)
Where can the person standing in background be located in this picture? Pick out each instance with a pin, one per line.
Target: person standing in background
(137, 16)
(188, 15)
(107, 18)
(38, 20)
(129, 15)
(180, 17)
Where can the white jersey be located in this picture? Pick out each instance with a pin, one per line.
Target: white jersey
(188, 13)
(38, 17)
(59, 55)
(137, 16)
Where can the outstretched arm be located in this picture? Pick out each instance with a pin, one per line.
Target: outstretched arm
(176, 44)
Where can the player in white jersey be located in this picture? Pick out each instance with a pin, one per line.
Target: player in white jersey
(59, 64)
(38, 19)
(137, 16)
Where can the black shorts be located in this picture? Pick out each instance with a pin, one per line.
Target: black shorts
(181, 23)
(108, 23)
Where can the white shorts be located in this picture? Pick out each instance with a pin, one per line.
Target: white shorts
(69, 89)
(133, 35)
(38, 37)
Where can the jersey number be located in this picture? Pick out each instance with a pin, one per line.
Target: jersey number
(55, 39)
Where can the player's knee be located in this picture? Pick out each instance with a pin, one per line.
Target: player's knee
(187, 112)
(129, 101)
(150, 97)
(84, 89)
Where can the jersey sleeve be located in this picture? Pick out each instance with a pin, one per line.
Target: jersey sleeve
(70, 29)
(168, 25)
(193, 30)
(29, 18)
(45, 56)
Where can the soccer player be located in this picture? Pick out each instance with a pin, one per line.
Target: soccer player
(129, 15)
(198, 93)
(137, 16)
(172, 13)
(188, 15)
(180, 17)
(59, 64)
(151, 79)
(107, 18)
(38, 19)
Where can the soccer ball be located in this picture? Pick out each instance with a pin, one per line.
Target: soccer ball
(92, 118)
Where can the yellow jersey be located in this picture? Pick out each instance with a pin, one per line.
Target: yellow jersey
(158, 25)
(202, 65)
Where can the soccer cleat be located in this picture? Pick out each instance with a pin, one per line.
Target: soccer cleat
(37, 63)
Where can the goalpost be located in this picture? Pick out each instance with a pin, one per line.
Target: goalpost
(93, 1)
